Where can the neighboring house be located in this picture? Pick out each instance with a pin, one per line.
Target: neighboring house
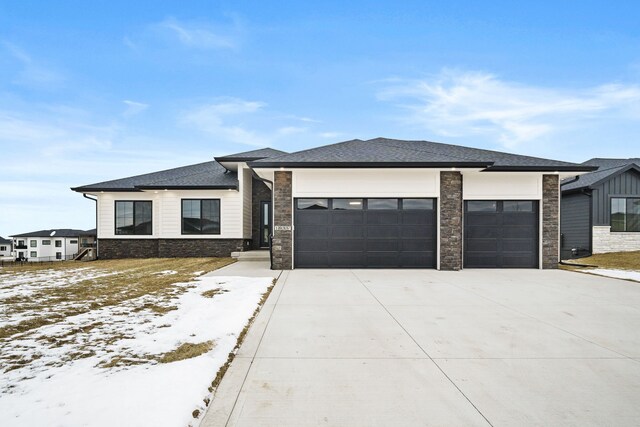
(376, 203)
(6, 247)
(53, 245)
(601, 209)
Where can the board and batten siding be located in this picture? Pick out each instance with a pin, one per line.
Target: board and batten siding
(167, 213)
(575, 224)
(626, 184)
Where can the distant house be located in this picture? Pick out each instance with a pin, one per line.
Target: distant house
(355, 204)
(600, 210)
(55, 244)
(6, 247)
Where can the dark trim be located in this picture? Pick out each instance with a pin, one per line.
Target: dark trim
(200, 234)
(115, 218)
(620, 196)
(187, 187)
(138, 189)
(367, 165)
(577, 168)
(237, 159)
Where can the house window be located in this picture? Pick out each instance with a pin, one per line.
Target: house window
(133, 218)
(382, 204)
(625, 214)
(21, 243)
(3, 248)
(58, 243)
(33, 243)
(46, 243)
(58, 255)
(34, 254)
(347, 204)
(313, 204)
(200, 216)
(73, 242)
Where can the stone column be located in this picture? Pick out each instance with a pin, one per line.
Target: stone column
(282, 245)
(550, 221)
(450, 220)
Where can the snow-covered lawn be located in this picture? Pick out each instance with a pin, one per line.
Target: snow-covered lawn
(144, 360)
(616, 274)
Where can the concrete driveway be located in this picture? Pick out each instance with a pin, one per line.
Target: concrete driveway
(422, 347)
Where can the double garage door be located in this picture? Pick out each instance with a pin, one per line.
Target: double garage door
(402, 233)
(365, 233)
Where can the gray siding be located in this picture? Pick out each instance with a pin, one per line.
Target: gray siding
(626, 184)
(574, 225)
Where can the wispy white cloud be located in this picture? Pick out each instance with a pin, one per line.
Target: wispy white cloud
(134, 108)
(32, 72)
(456, 103)
(331, 135)
(200, 35)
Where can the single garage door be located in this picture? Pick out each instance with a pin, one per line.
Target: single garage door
(365, 233)
(501, 234)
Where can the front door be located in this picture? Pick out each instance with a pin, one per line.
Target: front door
(265, 224)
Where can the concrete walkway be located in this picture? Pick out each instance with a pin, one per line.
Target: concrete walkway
(421, 348)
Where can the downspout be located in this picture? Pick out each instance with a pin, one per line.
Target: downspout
(96, 201)
(256, 176)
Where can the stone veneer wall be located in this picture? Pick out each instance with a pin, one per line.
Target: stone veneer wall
(550, 221)
(282, 246)
(450, 220)
(260, 193)
(605, 241)
(169, 248)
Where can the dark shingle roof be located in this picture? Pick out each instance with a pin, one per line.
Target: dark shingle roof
(262, 153)
(62, 232)
(208, 175)
(4, 241)
(607, 169)
(384, 152)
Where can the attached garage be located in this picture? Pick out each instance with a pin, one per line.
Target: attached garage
(365, 232)
(501, 234)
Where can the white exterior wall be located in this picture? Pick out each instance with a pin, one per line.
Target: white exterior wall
(7, 251)
(366, 183)
(605, 241)
(48, 252)
(167, 213)
(501, 186)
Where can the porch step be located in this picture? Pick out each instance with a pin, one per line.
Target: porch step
(260, 255)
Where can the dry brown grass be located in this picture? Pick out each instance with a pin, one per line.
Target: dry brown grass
(130, 279)
(615, 260)
(186, 351)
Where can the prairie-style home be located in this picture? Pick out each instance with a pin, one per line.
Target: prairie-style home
(355, 204)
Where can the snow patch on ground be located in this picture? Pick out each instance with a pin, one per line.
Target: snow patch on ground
(56, 389)
(616, 274)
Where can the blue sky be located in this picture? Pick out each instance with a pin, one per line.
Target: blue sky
(91, 91)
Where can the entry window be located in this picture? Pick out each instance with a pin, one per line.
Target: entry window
(133, 218)
(517, 206)
(347, 204)
(46, 243)
(201, 216)
(375, 204)
(417, 204)
(313, 204)
(625, 214)
(482, 206)
(58, 255)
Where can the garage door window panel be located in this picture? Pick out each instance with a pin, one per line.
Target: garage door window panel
(482, 206)
(382, 204)
(312, 204)
(347, 204)
(418, 204)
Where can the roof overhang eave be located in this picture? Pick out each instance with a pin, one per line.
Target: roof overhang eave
(366, 165)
